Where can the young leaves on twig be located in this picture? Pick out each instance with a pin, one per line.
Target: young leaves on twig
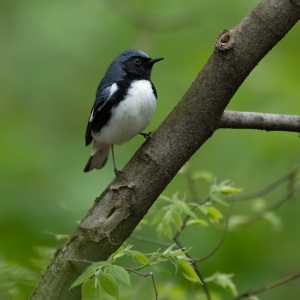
(107, 276)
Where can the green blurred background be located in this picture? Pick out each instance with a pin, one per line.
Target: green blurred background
(53, 54)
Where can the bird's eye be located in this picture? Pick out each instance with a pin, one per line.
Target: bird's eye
(137, 61)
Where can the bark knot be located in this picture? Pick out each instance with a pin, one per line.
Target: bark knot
(225, 40)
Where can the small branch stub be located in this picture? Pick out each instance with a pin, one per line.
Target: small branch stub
(225, 40)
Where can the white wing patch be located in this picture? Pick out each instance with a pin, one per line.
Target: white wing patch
(113, 89)
(91, 116)
(131, 116)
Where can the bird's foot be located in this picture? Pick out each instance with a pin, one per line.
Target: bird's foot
(118, 173)
(147, 136)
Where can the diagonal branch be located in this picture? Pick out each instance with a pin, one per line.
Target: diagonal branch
(193, 121)
(288, 178)
(262, 121)
(268, 287)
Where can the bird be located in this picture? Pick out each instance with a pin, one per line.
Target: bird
(124, 106)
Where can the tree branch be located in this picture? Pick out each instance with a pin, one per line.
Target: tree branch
(193, 121)
(262, 121)
(289, 178)
(268, 287)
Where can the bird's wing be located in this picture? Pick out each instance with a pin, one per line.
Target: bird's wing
(100, 102)
(98, 117)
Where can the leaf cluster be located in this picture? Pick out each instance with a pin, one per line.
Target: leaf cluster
(107, 276)
(170, 216)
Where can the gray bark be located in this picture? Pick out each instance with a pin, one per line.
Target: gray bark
(121, 206)
(262, 121)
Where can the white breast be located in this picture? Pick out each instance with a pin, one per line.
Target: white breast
(131, 116)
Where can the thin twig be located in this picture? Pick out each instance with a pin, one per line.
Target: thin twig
(272, 207)
(149, 240)
(192, 187)
(145, 275)
(265, 190)
(292, 187)
(183, 225)
(196, 269)
(218, 246)
(268, 287)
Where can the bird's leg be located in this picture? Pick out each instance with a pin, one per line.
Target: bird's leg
(117, 172)
(147, 135)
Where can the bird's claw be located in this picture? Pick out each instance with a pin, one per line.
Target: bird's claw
(118, 173)
(147, 136)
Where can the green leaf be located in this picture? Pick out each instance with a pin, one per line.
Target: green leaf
(217, 199)
(176, 219)
(160, 270)
(156, 258)
(203, 175)
(109, 284)
(188, 272)
(259, 205)
(164, 230)
(214, 214)
(119, 273)
(88, 273)
(225, 187)
(274, 219)
(203, 209)
(223, 280)
(121, 252)
(230, 190)
(186, 209)
(165, 198)
(236, 221)
(159, 216)
(139, 256)
(169, 249)
(253, 298)
(198, 222)
(176, 255)
(89, 291)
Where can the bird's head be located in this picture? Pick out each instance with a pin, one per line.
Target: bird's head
(133, 64)
(137, 64)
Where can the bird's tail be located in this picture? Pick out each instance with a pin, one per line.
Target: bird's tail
(98, 158)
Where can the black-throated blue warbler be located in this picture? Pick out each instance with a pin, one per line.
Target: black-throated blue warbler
(124, 105)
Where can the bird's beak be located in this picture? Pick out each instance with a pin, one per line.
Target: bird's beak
(154, 60)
